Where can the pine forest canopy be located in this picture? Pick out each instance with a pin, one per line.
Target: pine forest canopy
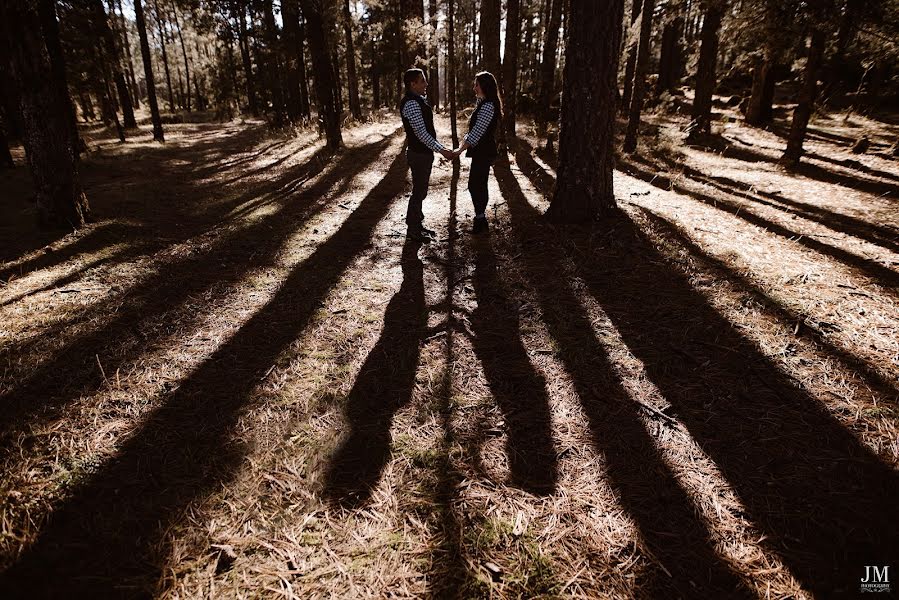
(322, 62)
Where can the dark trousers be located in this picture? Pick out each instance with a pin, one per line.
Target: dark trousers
(477, 183)
(420, 165)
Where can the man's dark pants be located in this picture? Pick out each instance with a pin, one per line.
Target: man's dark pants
(420, 164)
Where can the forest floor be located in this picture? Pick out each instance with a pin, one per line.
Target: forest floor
(243, 381)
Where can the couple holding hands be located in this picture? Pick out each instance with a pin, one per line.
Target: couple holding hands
(421, 140)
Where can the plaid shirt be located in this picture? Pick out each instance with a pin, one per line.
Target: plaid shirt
(412, 111)
(480, 127)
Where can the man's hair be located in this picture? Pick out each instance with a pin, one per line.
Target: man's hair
(412, 76)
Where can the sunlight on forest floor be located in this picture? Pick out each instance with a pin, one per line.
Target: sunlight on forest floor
(243, 380)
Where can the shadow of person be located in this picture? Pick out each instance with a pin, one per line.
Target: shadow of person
(385, 384)
(520, 391)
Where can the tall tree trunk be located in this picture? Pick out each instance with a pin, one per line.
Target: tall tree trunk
(50, 31)
(148, 71)
(548, 66)
(584, 189)
(670, 60)
(759, 110)
(305, 103)
(352, 80)
(631, 62)
(5, 154)
(433, 53)
(244, 43)
(291, 19)
(273, 63)
(510, 67)
(45, 109)
(113, 64)
(489, 33)
(639, 85)
(132, 81)
(701, 114)
(183, 52)
(375, 77)
(451, 79)
(803, 111)
(323, 73)
(165, 54)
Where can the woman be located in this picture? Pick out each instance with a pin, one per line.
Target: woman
(480, 144)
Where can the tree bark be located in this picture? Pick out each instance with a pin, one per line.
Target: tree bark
(510, 66)
(322, 71)
(46, 112)
(670, 59)
(759, 109)
(701, 114)
(548, 65)
(183, 53)
(292, 52)
(489, 32)
(631, 62)
(803, 111)
(352, 79)
(639, 85)
(584, 189)
(148, 71)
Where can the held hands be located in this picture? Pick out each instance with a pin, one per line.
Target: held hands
(452, 154)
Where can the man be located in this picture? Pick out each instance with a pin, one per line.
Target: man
(421, 143)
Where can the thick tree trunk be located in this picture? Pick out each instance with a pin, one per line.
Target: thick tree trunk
(670, 59)
(183, 53)
(639, 85)
(631, 60)
(759, 109)
(451, 79)
(305, 102)
(489, 33)
(352, 79)
(148, 71)
(433, 53)
(46, 112)
(291, 18)
(322, 71)
(548, 65)
(132, 81)
(701, 114)
(510, 66)
(375, 77)
(584, 189)
(803, 111)
(165, 54)
(5, 155)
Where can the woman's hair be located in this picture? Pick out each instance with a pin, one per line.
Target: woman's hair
(488, 85)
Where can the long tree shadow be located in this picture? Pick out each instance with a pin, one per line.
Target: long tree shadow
(384, 385)
(871, 232)
(64, 377)
(110, 538)
(848, 163)
(662, 510)
(519, 391)
(872, 378)
(870, 268)
(824, 501)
